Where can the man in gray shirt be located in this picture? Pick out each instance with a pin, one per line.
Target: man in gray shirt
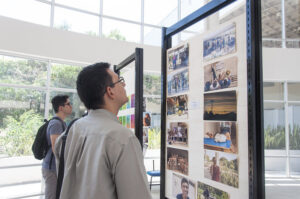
(103, 159)
(62, 108)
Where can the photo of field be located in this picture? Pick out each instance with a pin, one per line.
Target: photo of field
(221, 167)
(205, 191)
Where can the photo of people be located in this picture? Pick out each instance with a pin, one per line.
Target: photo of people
(220, 106)
(146, 119)
(178, 160)
(178, 57)
(220, 75)
(220, 43)
(208, 192)
(177, 133)
(177, 107)
(183, 188)
(221, 167)
(178, 82)
(220, 136)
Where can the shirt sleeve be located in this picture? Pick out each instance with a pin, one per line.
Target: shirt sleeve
(130, 175)
(56, 128)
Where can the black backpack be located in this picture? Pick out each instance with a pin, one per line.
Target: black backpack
(61, 168)
(40, 145)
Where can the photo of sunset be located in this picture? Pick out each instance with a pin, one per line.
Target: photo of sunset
(220, 106)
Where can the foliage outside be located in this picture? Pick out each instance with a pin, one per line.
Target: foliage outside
(154, 138)
(18, 133)
(275, 137)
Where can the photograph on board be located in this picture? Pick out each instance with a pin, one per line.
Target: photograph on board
(182, 187)
(178, 82)
(220, 43)
(221, 136)
(205, 191)
(221, 75)
(177, 133)
(220, 106)
(221, 167)
(178, 57)
(178, 160)
(177, 107)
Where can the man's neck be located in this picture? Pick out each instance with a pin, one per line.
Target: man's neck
(111, 108)
(61, 115)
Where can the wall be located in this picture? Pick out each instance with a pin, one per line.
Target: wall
(31, 39)
(281, 64)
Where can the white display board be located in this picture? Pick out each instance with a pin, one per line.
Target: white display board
(207, 115)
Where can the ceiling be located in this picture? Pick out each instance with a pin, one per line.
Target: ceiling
(271, 18)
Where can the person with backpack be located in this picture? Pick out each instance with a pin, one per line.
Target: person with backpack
(102, 158)
(62, 108)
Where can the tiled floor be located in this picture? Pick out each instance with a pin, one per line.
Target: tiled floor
(281, 188)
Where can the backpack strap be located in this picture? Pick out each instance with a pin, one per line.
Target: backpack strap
(63, 127)
(62, 160)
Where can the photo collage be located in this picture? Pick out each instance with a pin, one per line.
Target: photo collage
(126, 113)
(221, 163)
(220, 115)
(177, 115)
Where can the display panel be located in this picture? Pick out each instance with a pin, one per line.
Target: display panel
(206, 130)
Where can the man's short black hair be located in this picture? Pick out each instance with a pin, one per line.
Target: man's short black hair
(91, 84)
(59, 100)
(184, 180)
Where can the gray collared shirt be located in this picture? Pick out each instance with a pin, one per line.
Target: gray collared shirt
(103, 160)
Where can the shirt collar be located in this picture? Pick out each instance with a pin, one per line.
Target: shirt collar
(103, 113)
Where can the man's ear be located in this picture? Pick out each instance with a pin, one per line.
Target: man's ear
(110, 93)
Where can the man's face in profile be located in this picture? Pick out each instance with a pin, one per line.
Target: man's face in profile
(185, 189)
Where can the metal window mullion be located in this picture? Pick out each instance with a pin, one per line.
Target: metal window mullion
(46, 115)
(283, 36)
(287, 138)
(142, 20)
(52, 14)
(179, 18)
(101, 19)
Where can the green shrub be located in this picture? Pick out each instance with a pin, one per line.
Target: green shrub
(18, 133)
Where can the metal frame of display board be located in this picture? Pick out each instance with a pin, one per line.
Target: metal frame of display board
(137, 56)
(254, 89)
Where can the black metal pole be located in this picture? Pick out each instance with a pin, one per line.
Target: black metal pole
(139, 94)
(255, 101)
(166, 43)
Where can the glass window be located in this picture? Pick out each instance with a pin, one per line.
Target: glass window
(119, 30)
(273, 91)
(89, 5)
(189, 6)
(22, 71)
(293, 91)
(64, 76)
(274, 125)
(130, 9)
(75, 21)
(294, 166)
(292, 19)
(275, 166)
(26, 10)
(152, 36)
(294, 126)
(21, 114)
(271, 19)
(78, 109)
(161, 12)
